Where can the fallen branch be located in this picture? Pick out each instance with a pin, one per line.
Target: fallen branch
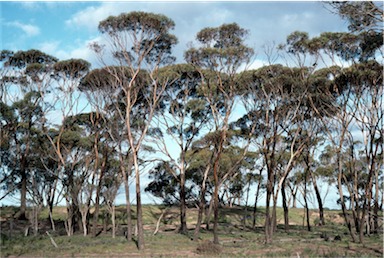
(158, 221)
(52, 241)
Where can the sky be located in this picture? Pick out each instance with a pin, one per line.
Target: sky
(65, 29)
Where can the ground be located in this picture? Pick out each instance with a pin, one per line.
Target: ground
(236, 239)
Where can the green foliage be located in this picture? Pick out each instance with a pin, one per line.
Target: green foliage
(21, 59)
(71, 69)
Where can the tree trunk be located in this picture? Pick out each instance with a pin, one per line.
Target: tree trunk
(183, 222)
(23, 196)
(139, 211)
(84, 221)
(201, 204)
(246, 205)
(342, 202)
(216, 189)
(256, 199)
(306, 204)
(127, 198)
(199, 216)
(208, 214)
(113, 221)
(98, 191)
(319, 200)
(376, 204)
(268, 217)
(285, 207)
(294, 197)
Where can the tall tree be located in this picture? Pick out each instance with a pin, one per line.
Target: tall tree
(29, 71)
(222, 51)
(185, 116)
(138, 40)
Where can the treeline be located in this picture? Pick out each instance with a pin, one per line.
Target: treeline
(69, 133)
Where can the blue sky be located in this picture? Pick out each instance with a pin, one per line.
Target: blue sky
(64, 29)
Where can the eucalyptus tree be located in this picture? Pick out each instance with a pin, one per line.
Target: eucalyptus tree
(185, 115)
(234, 163)
(342, 107)
(274, 96)
(366, 80)
(24, 82)
(109, 108)
(222, 51)
(19, 126)
(110, 187)
(141, 42)
(64, 99)
(361, 16)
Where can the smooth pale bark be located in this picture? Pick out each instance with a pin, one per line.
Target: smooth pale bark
(127, 198)
(256, 199)
(201, 204)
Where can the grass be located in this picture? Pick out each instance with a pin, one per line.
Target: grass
(235, 239)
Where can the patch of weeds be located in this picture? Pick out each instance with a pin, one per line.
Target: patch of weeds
(208, 248)
(307, 251)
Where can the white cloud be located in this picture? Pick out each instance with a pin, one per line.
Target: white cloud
(49, 47)
(29, 29)
(91, 16)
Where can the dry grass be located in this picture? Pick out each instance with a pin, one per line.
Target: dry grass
(236, 238)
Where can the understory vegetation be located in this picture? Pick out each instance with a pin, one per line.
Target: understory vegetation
(238, 238)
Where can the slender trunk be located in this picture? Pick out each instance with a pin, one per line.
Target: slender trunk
(216, 189)
(23, 196)
(256, 199)
(84, 221)
(183, 221)
(23, 173)
(274, 215)
(246, 205)
(294, 199)
(139, 211)
(125, 175)
(319, 200)
(50, 208)
(215, 210)
(376, 204)
(51, 199)
(268, 217)
(113, 221)
(341, 194)
(199, 216)
(208, 214)
(285, 207)
(201, 204)
(98, 191)
(306, 203)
